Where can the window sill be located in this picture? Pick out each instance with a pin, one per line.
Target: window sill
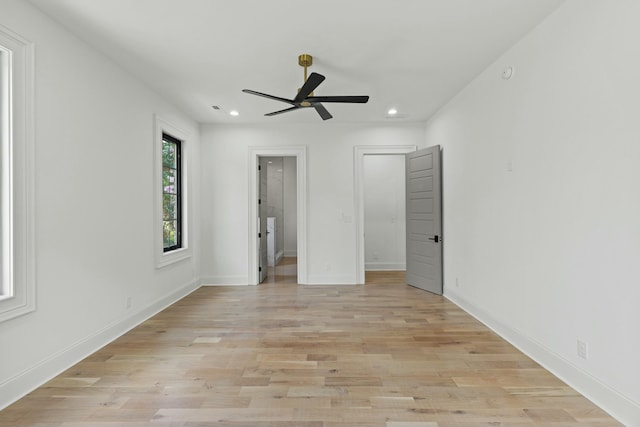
(177, 255)
(12, 307)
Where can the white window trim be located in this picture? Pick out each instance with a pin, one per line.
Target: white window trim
(162, 258)
(17, 177)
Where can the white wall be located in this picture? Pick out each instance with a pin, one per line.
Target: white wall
(384, 212)
(331, 230)
(290, 211)
(94, 206)
(541, 207)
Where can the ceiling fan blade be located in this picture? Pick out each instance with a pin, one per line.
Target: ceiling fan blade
(276, 98)
(353, 99)
(322, 111)
(312, 82)
(282, 111)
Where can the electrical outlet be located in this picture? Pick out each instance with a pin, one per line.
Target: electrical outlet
(583, 350)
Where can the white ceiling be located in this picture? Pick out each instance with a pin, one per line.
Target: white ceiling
(413, 55)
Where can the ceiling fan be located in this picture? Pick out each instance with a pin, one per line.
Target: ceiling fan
(305, 97)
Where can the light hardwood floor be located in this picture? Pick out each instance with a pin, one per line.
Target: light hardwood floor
(383, 354)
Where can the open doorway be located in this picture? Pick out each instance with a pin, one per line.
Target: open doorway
(391, 221)
(277, 207)
(384, 213)
(296, 194)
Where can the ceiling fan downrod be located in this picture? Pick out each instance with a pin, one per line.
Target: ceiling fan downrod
(305, 60)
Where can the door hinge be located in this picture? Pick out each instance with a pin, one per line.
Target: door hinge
(259, 167)
(259, 201)
(259, 269)
(259, 235)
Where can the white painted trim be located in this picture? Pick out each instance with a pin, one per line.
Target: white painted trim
(619, 406)
(289, 253)
(26, 381)
(225, 281)
(385, 266)
(300, 153)
(358, 159)
(166, 258)
(18, 252)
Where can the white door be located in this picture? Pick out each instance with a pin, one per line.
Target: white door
(424, 220)
(262, 219)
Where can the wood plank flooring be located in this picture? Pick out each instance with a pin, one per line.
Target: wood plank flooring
(379, 355)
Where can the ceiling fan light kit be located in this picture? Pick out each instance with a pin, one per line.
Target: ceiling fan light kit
(305, 97)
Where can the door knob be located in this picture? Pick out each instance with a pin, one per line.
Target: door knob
(434, 238)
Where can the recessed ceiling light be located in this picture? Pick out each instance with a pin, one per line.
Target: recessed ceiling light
(392, 112)
(234, 113)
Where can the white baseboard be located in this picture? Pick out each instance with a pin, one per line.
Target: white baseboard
(28, 380)
(225, 281)
(290, 253)
(385, 266)
(279, 257)
(615, 403)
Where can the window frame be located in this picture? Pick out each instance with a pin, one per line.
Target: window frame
(166, 137)
(17, 254)
(164, 258)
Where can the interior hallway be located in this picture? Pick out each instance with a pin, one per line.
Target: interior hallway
(379, 355)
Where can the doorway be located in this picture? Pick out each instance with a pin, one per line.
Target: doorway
(384, 212)
(296, 155)
(424, 215)
(277, 218)
(359, 165)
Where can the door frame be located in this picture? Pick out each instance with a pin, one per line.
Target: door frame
(359, 153)
(300, 153)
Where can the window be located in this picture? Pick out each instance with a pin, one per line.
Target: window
(172, 223)
(17, 249)
(171, 193)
